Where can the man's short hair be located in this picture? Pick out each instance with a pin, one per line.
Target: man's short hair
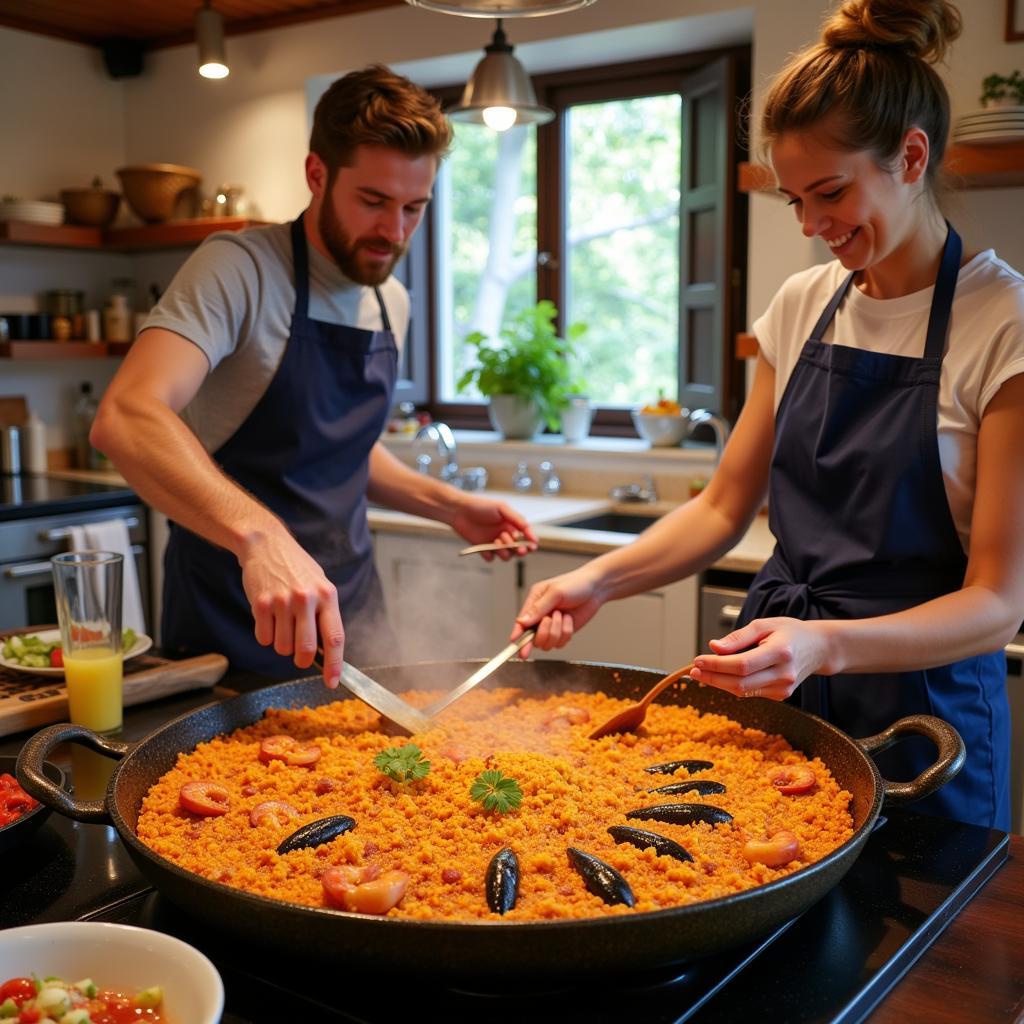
(376, 107)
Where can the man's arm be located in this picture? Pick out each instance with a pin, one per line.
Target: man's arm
(138, 426)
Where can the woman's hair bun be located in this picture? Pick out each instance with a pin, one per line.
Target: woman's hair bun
(919, 28)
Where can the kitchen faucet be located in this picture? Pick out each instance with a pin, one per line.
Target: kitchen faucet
(444, 445)
(719, 424)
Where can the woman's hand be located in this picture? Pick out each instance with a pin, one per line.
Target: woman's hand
(558, 607)
(766, 658)
(483, 520)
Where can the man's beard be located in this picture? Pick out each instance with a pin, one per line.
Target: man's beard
(345, 250)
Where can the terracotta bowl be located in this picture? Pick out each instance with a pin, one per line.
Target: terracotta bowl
(93, 207)
(153, 190)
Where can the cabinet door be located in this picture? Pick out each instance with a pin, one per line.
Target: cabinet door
(657, 629)
(442, 606)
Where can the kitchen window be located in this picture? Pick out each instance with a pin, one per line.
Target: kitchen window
(622, 211)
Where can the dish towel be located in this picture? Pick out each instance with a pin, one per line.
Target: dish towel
(112, 535)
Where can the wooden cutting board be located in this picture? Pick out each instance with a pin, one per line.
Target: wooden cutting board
(29, 701)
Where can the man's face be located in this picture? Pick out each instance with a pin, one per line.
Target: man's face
(371, 210)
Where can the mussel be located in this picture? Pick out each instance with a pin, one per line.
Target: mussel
(702, 787)
(682, 814)
(641, 839)
(502, 882)
(671, 767)
(600, 878)
(316, 833)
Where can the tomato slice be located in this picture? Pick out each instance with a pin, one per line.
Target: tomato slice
(792, 778)
(289, 750)
(273, 812)
(209, 799)
(18, 989)
(56, 658)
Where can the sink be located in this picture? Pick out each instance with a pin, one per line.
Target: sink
(613, 522)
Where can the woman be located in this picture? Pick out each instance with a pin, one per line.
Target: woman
(888, 405)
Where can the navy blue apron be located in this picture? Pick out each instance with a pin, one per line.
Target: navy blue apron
(303, 452)
(862, 524)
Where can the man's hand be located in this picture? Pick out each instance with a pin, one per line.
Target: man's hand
(292, 600)
(484, 520)
(558, 607)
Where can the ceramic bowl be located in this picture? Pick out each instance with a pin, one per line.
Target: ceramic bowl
(92, 207)
(120, 957)
(153, 190)
(16, 832)
(661, 430)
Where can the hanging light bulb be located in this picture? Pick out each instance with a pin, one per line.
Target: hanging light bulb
(501, 8)
(498, 93)
(213, 61)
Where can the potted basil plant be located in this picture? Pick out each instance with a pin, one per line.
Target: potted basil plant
(526, 372)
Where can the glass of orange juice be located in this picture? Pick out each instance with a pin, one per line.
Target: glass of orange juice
(88, 591)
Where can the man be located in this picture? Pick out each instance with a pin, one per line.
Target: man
(278, 348)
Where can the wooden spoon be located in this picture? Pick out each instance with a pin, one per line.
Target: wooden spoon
(632, 717)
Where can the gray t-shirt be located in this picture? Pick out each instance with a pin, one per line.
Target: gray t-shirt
(234, 298)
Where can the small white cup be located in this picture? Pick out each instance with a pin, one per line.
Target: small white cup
(576, 417)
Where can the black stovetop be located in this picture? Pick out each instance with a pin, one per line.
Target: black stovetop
(834, 963)
(22, 496)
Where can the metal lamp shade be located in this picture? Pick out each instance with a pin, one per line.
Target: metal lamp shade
(499, 80)
(501, 8)
(213, 59)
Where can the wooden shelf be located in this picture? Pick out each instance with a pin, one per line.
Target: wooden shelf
(169, 235)
(989, 166)
(53, 350)
(745, 346)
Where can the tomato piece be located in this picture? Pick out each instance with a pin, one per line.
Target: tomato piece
(56, 658)
(792, 778)
(209, 799)
(275, 812)
(18, 989)
(289, 750)
(775, 852)
(364, 890)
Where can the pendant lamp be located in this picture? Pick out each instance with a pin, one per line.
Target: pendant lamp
(213, 60)
(501, 8)
(498, 93)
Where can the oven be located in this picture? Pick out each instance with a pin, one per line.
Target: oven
(26, 546)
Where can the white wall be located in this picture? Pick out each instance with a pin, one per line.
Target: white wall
(66, 120)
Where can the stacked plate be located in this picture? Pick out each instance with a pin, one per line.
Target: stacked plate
(991, 125)
(32, 210)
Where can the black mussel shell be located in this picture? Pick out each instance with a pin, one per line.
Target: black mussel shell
(702, 787)
(682, 814)
(600, 878)
(671, 767)
(641, 839)
(502, 882)
(316, 833)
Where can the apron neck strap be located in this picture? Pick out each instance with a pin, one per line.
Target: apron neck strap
(830, 310)
(942, 300)
(300, 265)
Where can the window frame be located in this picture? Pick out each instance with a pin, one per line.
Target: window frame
(560, 91)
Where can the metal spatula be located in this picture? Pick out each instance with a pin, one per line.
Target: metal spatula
(387, 704)
(480, 674)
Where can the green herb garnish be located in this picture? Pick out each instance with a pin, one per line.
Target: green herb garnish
(496, 792)
(403, 764)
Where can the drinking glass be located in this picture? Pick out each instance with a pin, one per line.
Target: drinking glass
(88, 587)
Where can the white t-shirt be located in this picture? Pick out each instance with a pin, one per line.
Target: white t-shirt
(234, 298)
(985, 348)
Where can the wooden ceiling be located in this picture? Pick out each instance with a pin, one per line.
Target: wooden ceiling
(151, 24)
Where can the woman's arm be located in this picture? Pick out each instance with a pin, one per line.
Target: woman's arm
(681, 543)
(984, 615)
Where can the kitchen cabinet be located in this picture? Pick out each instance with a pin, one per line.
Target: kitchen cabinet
(443, 606)
(657, 629)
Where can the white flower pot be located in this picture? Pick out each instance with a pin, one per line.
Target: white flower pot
(513, 417)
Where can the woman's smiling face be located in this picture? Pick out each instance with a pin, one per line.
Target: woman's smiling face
(863, 213)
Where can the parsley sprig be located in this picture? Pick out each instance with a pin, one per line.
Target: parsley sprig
(496, 791)
(403, 764)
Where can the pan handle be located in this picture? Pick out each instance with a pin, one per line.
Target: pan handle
(950, 760)
(29, 770)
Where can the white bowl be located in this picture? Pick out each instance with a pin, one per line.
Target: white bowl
(662, 430)
(119, 957)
